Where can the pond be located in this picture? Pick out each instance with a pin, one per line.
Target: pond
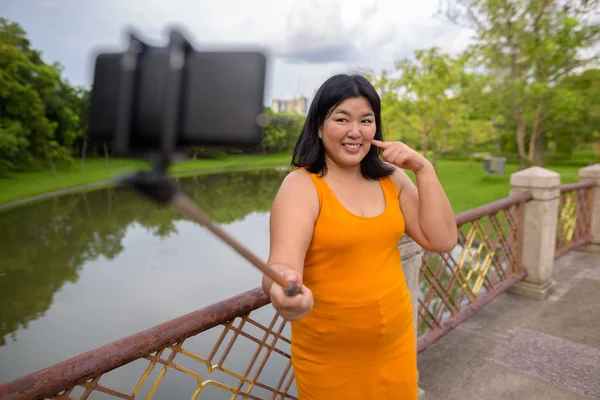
(82, 270)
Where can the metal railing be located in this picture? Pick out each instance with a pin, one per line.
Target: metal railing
(485, 263)
(240, 347)
(573, 228)
(161, 356)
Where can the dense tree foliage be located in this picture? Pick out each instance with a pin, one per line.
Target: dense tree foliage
(534, 50)
(40, 112)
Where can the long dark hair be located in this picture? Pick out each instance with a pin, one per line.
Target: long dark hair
(309, 151)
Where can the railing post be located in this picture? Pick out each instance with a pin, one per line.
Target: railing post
(592, 173)
(412, 257)
(538, 235)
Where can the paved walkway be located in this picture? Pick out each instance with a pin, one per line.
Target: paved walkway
(517, 348)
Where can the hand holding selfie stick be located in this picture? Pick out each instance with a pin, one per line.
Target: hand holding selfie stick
(155, 70)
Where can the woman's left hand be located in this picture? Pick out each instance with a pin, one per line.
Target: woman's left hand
(401, 155)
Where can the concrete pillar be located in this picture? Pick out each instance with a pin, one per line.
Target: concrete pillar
(592, 173)
(539, 229)
(412, 257)
(411, 265)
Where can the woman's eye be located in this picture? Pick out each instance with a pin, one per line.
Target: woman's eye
(367, 121)
(342, 120)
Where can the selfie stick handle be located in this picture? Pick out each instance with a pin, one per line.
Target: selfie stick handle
(155, 183)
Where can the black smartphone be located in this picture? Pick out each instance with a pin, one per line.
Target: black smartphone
(220, 98)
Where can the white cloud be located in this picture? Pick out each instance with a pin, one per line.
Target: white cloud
(323, 36)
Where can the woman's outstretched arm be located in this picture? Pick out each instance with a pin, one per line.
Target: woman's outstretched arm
(293, 215)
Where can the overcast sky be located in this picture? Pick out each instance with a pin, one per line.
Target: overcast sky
(308, 40)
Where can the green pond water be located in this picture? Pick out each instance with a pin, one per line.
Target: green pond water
(83, 270)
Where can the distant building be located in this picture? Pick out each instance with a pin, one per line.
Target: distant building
(294, 106)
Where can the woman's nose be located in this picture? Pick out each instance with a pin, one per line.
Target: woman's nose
(354, 130)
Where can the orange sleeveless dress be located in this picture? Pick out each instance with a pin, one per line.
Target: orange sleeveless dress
(358, 340)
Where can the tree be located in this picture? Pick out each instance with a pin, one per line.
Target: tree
(283, 131)
(433, 101)
(575, 111)
(530, 45)
(426, 82)
(469, 113)
(41, 115)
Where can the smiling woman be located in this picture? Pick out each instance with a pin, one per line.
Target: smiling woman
(335, 226)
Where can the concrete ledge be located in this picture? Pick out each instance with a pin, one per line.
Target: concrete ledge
(590, 248)
(532, 290)
(535, 177)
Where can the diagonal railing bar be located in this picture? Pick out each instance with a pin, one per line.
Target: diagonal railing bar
(484, 264)
(574, 217)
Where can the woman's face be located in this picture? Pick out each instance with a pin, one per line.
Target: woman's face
(348, 131)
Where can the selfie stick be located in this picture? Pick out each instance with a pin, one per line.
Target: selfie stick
(155, 184)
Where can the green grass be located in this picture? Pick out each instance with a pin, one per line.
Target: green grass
(467, 185)
(22, 185)
(465, 182)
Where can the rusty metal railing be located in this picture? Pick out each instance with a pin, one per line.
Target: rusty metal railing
(573, 228)
(485, 263)
(239, 336)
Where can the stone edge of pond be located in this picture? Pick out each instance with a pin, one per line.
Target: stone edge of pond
(104, 184)
(32, 199)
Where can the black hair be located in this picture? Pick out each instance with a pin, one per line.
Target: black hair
(309, 151)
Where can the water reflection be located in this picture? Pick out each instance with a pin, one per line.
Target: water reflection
(79, 271)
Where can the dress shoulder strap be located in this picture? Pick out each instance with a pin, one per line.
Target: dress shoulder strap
(317, 181)
(389, 186)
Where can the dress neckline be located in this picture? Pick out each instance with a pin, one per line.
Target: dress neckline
(385, 197)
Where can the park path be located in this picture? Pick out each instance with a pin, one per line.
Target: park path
(519, 348)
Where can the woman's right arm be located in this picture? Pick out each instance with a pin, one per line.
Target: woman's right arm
(293, 215)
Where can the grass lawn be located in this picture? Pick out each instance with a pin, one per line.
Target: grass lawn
(467, 185)
(465, 182)
(21, 185)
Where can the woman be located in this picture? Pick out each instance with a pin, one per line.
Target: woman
(335, 226)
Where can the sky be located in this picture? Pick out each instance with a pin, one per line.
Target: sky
(306, 41)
